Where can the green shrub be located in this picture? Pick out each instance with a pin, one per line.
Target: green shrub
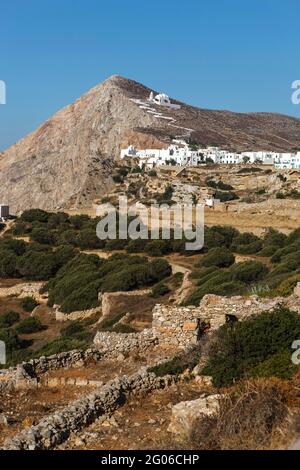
(82, 299)
(79, 221)
(28, 304)
(136, 246)
(158, 247)
(9, 318)
(240, 349)
(250, 169)
(268, 250)
(220, 257)
(62, 344)
(249, 249)
(37, 265)
(43, 236)
(227, 232)
(20, 228)
(281, 252)
(35, 215)
(63, 254)
(68, 237)
(273, 237)
(287, 286)
(178, 364)
(12, 342)
(16, 246)
(278, 365)
(75, 330)
(88, 240)
(123, 328)
(249, 271)
(8, 263)
(159, 290)
(247, 243)
(29, 325)
(58, 220)
(117, 244)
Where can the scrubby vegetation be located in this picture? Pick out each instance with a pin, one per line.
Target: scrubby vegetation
(273, 271)
(77, 285)
(257, 347)
(29, 304)
(29, 325)
(179, 363)
(53, 255)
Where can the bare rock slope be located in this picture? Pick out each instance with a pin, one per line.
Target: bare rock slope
(68, 161)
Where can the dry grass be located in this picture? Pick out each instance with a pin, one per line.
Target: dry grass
(255, 415)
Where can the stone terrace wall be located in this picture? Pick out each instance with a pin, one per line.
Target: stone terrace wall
(29, 289)
(25, 375)
(112, 344)
(177, 326)
(56, 428)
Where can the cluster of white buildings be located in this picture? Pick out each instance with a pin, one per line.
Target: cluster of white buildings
(181, 154)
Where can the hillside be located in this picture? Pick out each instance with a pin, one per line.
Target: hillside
(68, 161)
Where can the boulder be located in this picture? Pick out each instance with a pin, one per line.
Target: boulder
(186, 413)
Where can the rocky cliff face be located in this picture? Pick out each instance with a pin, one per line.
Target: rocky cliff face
(68, 161)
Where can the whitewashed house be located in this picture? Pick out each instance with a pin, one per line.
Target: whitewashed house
(162, 100)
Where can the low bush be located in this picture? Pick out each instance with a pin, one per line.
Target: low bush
(249, 271)
(29, 325)
(8, 263)
(159, 290)
(9, 318)
(62, 344)
(158, 247)
(178, 364)
(123, 328)
(28, 304)
(240, 348)
(42, 235)
(220, 257)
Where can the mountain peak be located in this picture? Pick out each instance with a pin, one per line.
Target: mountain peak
(68, 161)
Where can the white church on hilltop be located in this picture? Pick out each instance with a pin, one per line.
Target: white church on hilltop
(162, 100)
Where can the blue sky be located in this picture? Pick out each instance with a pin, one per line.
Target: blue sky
(241, 55)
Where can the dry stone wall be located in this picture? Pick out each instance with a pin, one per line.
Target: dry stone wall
(29, 289)
(113, 344)
(26, 375)
(178, 326)
(56, 428)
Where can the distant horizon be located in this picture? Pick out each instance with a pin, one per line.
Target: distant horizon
(234, 56)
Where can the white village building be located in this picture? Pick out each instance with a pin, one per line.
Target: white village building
(162, 100)
(179, 153)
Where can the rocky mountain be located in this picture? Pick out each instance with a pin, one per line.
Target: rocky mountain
(68, 161)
